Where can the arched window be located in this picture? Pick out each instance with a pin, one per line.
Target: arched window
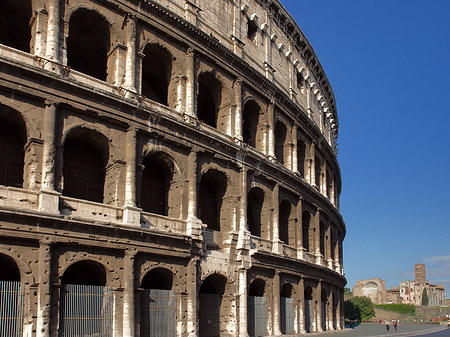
(14, 24)
(250, 123)
(256, 309)
(210, 302)
(255, 201)
(88, 43)
(9, 270)
(301, 157)
(84, 170)
(280, 141)
(308, 308)
(11, 298)
(209, 98)
(11, 155)
(318, 172)
(156, 179)
(329, 183)
(306, 218)
(86, 304)
(284, 213)
(156, 73)
(287, 312)
(324, 309)
(322, 239)
(158, 304)
(211, 190)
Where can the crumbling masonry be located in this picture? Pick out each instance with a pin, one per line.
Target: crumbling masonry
(168, 168)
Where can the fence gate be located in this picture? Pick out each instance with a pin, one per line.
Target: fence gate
(256, 316)
(308, 311)
(11, 308)
(287, 315)
(209, 315)
(86, 311)
(158, 313)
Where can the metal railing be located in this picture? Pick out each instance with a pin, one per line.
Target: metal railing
(11, 308)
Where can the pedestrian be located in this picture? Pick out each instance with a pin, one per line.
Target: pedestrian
(395, 325)
(387, 325)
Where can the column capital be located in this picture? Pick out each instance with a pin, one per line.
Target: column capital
(190, 52)
(50, 102)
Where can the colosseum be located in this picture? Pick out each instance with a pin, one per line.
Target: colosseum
(168, 168)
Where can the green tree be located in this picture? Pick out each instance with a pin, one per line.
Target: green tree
(351, 312)
(425, 298)
(347, 291)
(365, 306)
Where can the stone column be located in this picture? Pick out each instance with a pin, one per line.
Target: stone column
(191, 317)
(270, 146)
(312, 165)
(243, 200)
(328, 233)
(294, 154)
(317, 252)
(44, 290)
(277, 246)
(48, 197)
(193, 223)
(301, 307)
(131, 214)
(129, 321)
(190, 83)
(130, 63)
(243, 303)
(299, 229)
(52, 48)
(238, 111)
(319, 306)
(276, 304)
(181, 92)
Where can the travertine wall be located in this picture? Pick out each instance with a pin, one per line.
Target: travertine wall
(44, 232)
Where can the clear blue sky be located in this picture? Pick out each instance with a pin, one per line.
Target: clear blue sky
(388, 62)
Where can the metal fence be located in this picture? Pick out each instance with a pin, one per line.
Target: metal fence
(86, 311)
(256, 316)
(308, 312)
(158, 313)
(209, 315)
(287, 315)
(11, 308)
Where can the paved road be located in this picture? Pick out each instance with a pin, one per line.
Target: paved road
(379, 330)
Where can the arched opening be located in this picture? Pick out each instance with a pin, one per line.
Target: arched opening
(335, 306)
(158, 308)
(11, 298)
(322, 239)
(301, 156)
(210, 301)
(255, 202)
(256, 309)
(156, 180)
(84, 170)
(280, 141)
(211, 191)
(88, 43)
(324, 304)
(209, 98)
(86, 303)
(333, 242)
(329, 184)
(318, 172)
(250, 123)
(11, 151)
(308, 308)
(287, 310)
(15, 30)
(306, 218)
(283, 218)
(156, 73)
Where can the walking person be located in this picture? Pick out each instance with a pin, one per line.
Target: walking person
(395, 325)
(387, 325)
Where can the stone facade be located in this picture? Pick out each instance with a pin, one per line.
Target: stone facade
(374, 288)
(174, 145)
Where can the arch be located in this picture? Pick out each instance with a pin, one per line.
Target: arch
(250, 124)
(15, 17)
(329, 184)
(85, 272)
(286, 290)
(301, 157)
(306, 219)
(213, 185)
(322, 239)
(158, 278)
(318, 172)
(308, 298)
(9, 269)
(26, 275)
(13, 136)
(287, 310)
(210, 312)
(280, 141)
(257, 288)
(209, 98)
(156, 72)
(88, 43)
(86, 154)
(256, 309)
(255, 202)
(284, 212)
(156, 180)
(324, 309)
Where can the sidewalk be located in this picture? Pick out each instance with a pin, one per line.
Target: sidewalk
(379, 330)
